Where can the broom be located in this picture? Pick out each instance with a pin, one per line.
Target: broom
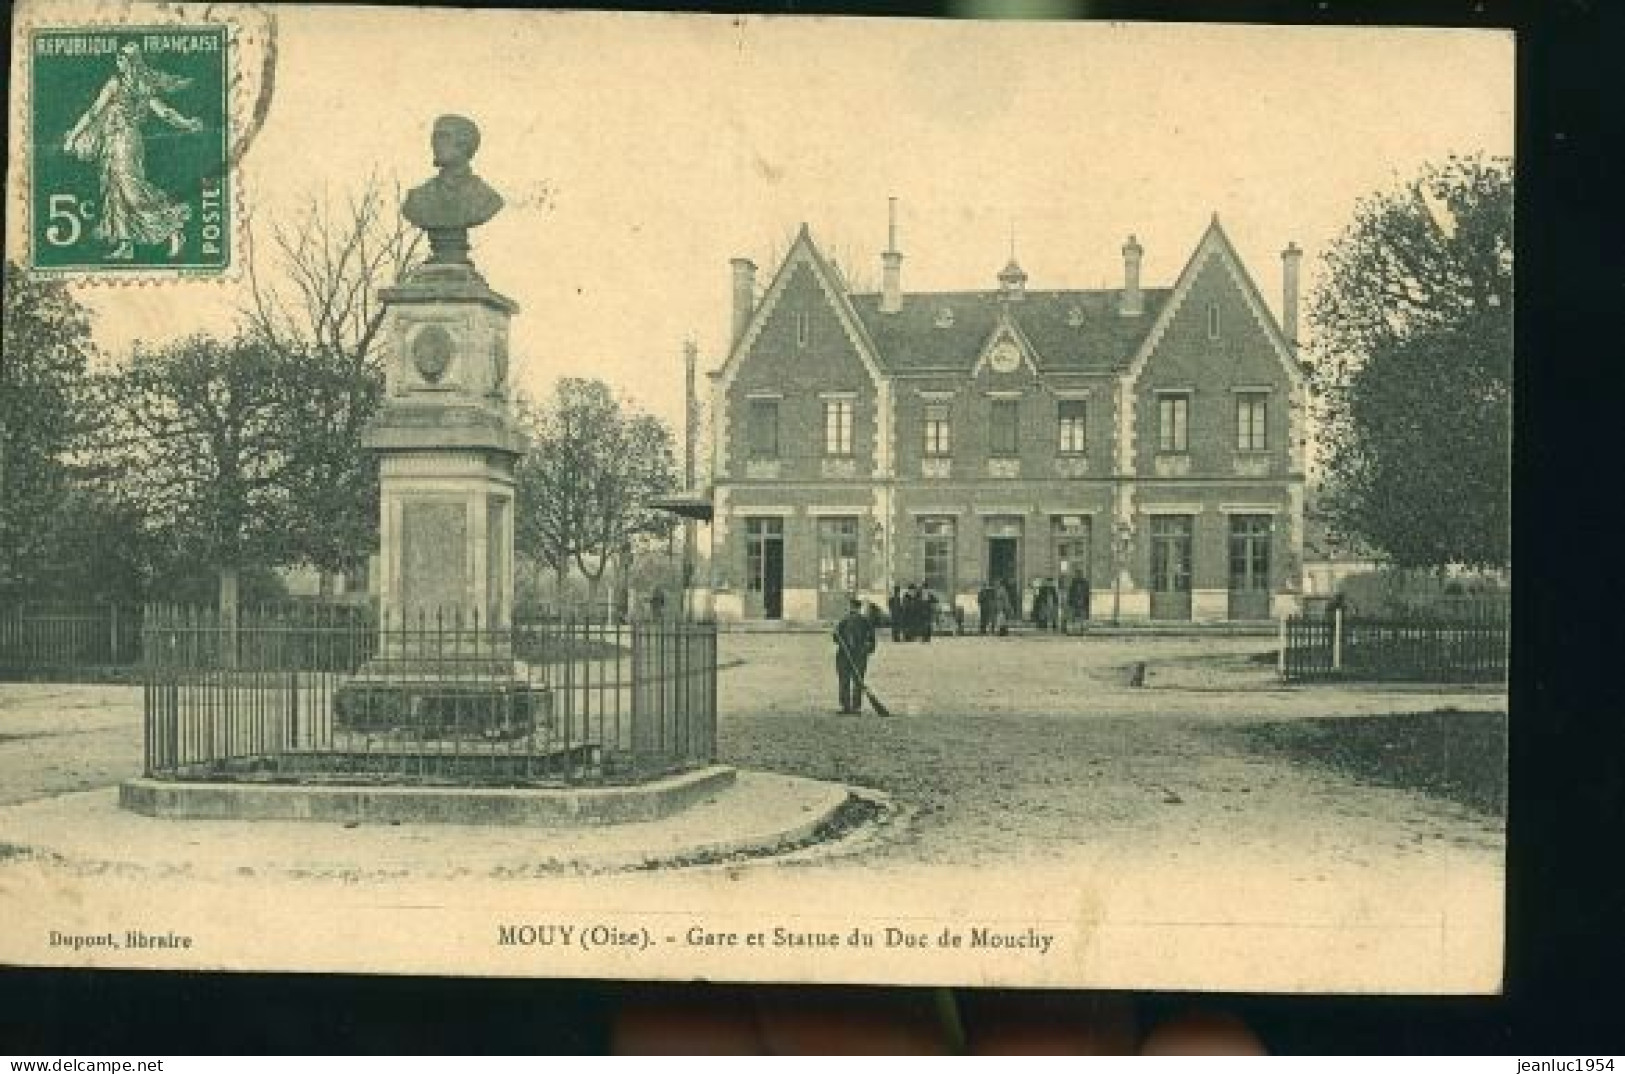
(879, 707)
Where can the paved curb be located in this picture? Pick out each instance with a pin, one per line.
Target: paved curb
(755, 815)
(185, 800)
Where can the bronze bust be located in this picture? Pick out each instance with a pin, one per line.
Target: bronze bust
(448, 205)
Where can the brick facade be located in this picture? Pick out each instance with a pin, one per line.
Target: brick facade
(1156, 448)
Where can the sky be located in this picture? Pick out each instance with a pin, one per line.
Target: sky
(638, 153)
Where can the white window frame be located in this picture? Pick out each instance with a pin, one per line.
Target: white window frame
(938, 428)
(839, 418)
(1072, 434)
(1178, 440)
(1252, 422)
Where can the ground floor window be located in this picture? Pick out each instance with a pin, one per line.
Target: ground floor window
(1004, 558)
(838, 555)
(764, 566)
(1250, 551)
(937, 554)
(1171, 553)
(1071, 537)
(1251, 537)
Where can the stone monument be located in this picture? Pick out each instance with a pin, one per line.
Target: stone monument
(447, 446)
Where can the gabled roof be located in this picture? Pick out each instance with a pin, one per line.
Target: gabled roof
(1069, 331)
(803, 251)
(1216, 244)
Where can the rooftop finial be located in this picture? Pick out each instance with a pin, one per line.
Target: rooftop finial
(1012, 279)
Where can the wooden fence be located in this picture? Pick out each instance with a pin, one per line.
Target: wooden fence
(1339, 646)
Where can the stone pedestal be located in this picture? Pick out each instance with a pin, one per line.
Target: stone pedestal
(447, 448)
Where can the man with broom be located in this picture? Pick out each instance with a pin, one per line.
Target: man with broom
(854, 641)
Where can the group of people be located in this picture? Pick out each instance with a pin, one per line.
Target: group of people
(1055, 604)
(913, 612)
(994, 609)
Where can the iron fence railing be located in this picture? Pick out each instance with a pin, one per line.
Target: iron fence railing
(53, 638)
(1409, 648)
(337, 696)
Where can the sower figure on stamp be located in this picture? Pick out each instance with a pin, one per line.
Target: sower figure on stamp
(854, 642)
(133, 210)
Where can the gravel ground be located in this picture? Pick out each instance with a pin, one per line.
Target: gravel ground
(1002, 749)
(1461, 756)
(794, 675)
(56, 739)
(1152, 829)
(1031, 747)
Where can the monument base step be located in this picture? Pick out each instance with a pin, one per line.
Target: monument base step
(460, 700)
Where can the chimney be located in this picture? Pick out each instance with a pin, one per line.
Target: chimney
(1290, 259)
(691, 411)
(744, 295)
(1133, 303)
(891, 273)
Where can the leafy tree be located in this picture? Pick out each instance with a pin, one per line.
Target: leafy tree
(46, 357)
(331, 480)
(1413, 367)
(201, 439)
(585, 485)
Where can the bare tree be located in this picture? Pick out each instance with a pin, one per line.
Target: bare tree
(853, 270)
(316, 279)
(314, 283)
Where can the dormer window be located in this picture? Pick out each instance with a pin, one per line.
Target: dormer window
(945, 318)
(1213, 320)
(1074, 317)
(803, 329)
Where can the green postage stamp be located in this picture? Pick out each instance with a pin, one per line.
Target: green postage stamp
(129, 132)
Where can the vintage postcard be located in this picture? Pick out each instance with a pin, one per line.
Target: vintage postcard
(749, 498)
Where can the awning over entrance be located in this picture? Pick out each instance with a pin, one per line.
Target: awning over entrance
(695, 505)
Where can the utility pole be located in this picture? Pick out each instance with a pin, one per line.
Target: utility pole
(691, 354)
